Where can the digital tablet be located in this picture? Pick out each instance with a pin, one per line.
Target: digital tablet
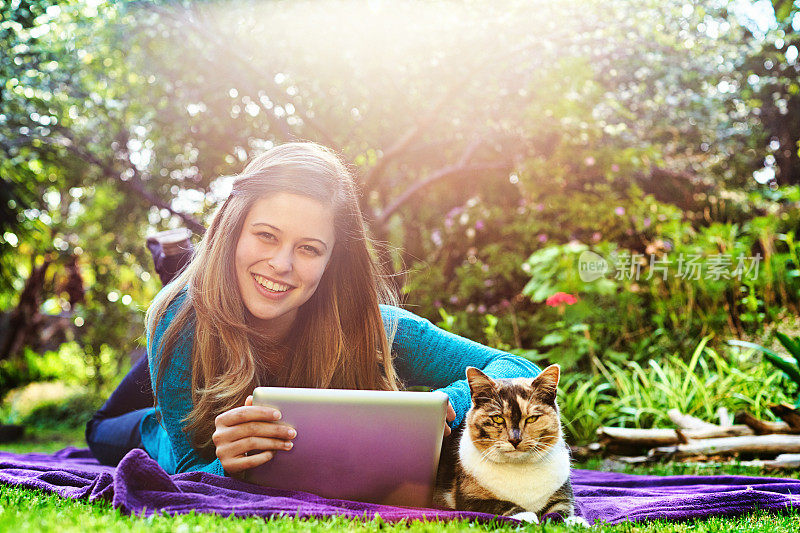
(373, 446)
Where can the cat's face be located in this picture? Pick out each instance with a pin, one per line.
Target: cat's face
(514, 420)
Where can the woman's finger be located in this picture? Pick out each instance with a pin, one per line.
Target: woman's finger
(242, 463)
(249, 401)
(247, 413)
(256, 429)
(450, 416)
(243, 446)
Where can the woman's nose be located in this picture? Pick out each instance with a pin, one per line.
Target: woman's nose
(281, 260)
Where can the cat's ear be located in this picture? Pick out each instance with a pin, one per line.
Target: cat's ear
(545, 385)
(480, 385)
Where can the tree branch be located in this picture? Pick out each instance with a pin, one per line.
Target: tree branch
(134, 184)
(462, 167)
(405, 140)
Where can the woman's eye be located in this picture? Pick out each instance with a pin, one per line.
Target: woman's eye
(267, 235)
(311, 249)
(497, 419)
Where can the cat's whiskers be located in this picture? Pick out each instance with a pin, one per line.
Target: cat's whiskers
(487, 452)
(546, 440)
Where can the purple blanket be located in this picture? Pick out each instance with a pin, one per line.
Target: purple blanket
(139, 486)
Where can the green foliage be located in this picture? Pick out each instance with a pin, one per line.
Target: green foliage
(491, 171)
(790, 367)
(638, 395)
(71, 412)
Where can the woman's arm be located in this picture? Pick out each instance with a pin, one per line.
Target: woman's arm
(430, 356)
(238, 432)
(169, 445)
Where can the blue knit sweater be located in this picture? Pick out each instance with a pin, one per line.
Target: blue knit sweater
(423, 355)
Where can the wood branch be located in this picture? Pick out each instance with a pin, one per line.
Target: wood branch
(408, 137)
(404, 142)
(581, 453)
(446, 172)
(788, 414)
(665, 437)
(785, 460)
(756, 444)
(684, 421)
(25, 320)
(762, 427)
(134, 184)
(461, 167)
(723, 417)
(637, 437)
(739, 430)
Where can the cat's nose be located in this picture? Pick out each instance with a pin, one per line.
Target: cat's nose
(514, 442)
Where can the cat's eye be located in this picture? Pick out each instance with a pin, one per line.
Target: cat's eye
(497, 419)
(531, 419)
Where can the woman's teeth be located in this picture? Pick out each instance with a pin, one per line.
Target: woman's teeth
(271, 285)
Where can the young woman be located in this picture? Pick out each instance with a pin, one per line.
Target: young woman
(282, 291)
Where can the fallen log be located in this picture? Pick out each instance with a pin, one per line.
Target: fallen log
(645, 438)
(784, 460)
(648, 438)
(582, 453)
(756, 444)
(763, 427)
(788, 414)
(684, 421)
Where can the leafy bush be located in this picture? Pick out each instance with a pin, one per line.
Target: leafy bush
(492, 267)
(70, 412)
(70, 364)
(635, 395)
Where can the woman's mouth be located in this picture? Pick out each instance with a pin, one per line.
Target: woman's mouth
(272, 287)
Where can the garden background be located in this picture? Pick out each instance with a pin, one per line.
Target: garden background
(495, 144)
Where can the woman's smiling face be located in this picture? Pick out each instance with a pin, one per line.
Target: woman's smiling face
(281, 255)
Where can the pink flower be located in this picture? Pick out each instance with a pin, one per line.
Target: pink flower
(620, 211)
(542, 237)
(589, 161)
(479, 225)
(561, 298)
(615, 168)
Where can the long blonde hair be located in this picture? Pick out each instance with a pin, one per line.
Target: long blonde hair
(338, 339)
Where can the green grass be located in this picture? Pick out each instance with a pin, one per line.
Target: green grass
(45, 440)
(26, 510)
(637, 395)
(23, 510)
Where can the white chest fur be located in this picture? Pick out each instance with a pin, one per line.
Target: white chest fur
(528, 484)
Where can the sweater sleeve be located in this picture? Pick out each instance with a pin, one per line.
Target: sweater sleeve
(175, 453)
(428, 355)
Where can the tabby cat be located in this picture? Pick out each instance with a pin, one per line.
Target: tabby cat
(509, 458)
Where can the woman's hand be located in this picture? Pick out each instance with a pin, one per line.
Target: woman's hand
(451, 415)
(245, 429)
